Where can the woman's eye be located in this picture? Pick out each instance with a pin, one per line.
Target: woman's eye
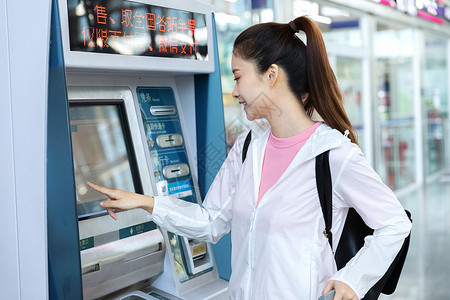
(236, 79)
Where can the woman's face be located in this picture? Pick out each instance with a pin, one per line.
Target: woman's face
(251, 89)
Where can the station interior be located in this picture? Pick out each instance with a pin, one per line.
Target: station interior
(137, 95)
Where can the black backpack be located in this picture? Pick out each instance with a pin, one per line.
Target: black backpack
(354, 232)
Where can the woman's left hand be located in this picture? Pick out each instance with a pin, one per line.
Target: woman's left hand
(343, 291)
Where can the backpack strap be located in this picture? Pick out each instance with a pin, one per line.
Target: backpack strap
(324, 189)
(246, 144)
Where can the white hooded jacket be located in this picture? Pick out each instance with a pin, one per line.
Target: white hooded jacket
(278, 248)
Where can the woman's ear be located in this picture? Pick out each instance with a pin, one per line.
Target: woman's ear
(273, 73)
(304, 97)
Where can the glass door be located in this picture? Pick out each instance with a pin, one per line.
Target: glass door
(393, 69)
(435, 95)
(346, 51)
(349, 75)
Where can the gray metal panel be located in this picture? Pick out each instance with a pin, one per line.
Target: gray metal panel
(62, 230)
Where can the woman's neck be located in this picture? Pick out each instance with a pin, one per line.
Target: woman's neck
(286, 113)
(291, 119)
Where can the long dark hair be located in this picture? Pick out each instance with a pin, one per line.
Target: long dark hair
(307, 66)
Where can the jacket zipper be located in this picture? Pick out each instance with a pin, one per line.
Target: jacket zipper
(250, 251)
(252, 220)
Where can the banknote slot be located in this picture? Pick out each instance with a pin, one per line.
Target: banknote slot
(169, 140)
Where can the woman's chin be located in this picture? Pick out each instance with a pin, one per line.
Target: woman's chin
(250, 117)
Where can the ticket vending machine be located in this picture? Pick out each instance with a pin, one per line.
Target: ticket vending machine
(130, 76)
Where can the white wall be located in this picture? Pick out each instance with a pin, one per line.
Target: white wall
(24, 36)
(8, 222)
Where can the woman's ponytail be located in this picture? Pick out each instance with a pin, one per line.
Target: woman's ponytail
(324, 93)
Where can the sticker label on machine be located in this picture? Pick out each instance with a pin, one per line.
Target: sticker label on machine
(180, 189)
(165, 142)
(122, 233)
(136, 229)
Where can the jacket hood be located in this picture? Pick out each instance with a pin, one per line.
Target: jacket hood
(324, 138)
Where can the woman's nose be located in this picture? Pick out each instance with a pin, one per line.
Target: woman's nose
(235, 93)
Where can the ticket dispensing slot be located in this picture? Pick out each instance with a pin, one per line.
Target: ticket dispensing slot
(198, 255)
(136, 257)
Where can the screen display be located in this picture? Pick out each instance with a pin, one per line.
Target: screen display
(102, 153)
(132, 28)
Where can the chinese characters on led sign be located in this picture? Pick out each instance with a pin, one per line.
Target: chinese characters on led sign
(437, 11)
(433, 10)
(131, 28)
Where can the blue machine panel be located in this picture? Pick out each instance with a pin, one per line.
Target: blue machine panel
(168, 156)
(166, 142)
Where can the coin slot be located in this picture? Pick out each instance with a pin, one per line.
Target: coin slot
(176, 171)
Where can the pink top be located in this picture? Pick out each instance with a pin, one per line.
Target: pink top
(278, 155)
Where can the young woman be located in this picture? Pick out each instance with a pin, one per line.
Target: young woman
(270, 201)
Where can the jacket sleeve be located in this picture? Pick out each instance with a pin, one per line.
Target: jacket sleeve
(357, 185)
(212, 219)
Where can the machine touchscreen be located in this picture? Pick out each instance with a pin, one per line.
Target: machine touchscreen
(102, 153)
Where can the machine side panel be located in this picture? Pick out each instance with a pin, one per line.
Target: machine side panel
(63, 246)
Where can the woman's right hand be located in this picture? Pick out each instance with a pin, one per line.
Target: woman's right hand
(120, 200)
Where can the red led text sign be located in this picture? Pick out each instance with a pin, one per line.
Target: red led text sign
(131, 28)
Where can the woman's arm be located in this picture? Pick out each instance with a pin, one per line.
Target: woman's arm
(209, 221)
